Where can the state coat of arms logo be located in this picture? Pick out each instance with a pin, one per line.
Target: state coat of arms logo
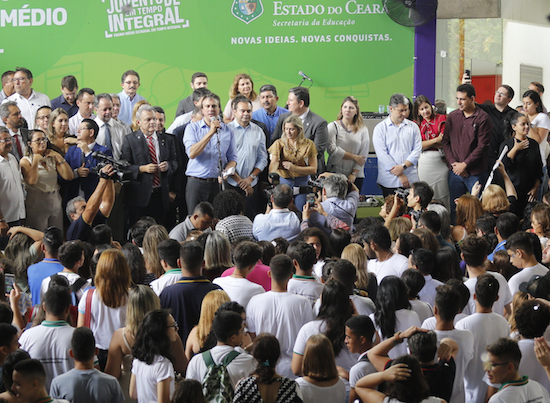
(247, 10)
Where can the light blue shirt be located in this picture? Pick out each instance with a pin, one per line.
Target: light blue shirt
(205, 165)
(251, 150)
(395, 145)
(127, 106)
(270, 121)
(277, 223)
(343, 209)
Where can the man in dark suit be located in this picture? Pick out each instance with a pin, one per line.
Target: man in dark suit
(81, 160)
(152, 158)
(12, 118)
(315, 127)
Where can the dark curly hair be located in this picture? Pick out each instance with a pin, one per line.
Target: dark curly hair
(152, 337)
(228, 203)
(326, 250)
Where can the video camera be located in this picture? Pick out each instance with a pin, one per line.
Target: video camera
(121, 173)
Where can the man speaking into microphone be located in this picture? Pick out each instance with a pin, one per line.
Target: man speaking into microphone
(210, 146)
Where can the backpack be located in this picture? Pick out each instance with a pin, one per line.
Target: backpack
(216, 385)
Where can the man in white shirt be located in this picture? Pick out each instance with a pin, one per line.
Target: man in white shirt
(85, 101)
(7, 84)
(228, 327)
(502, 367)
(398, 143)
(27, 99)
(279, 312)
(447, 304)
(522, 256)
(195, 101)
(487, 327)
(169, 254)
(251, 154)
(50, 341)
(383, 262)
(245, 256)
(278, 220)
(474, 253)
(111, 131)
(12, 118)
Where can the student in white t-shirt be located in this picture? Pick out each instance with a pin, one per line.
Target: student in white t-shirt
(360, 336)
(414, 280)
(487, 327)
(344, 271)
(423, 260)
(239, 289)
(474, 253)
(303, 282)
(279, 312)
(169, 254)
(383, 262)
(464, 293)
(502, 367)
(50, 341)
(522, 256)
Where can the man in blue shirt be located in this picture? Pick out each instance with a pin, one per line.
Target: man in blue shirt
(129, 96)
(67, 99)
(270, 112)
(51, 242)
(206, 143)
(251, 154)
(278, 221)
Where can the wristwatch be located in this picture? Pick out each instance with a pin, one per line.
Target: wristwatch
(253, 176)
(404, 166)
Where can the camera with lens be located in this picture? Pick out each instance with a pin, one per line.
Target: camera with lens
(121, 172)
(402, 193)
(268, 191)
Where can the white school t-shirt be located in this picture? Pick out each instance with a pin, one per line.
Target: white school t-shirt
(504, 295)
(525, 275)
(71, 277)
(405, 319)
(239, 290)
(487, 328)
(148, 376)
(50, 343)
(427, 293)
(532, 391)
(309, 288)
(465, 341)
(431, 322)
(363, 305)
(312, 393)
(360, 369)
(422, 309)
(169, 278)
(282, 314)
(394, 266)
(529, 364)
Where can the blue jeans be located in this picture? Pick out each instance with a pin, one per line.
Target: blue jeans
(459, 186)
(299, 200)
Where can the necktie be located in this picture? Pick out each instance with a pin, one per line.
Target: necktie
(153, 154)
(108, 142)
(18, 144)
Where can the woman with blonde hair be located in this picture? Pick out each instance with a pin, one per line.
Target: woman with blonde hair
(320, 381)
(198, 335)
(242, 85)
(217, 255)
(58, 132)
(154, 235)
(141, 300)
(356, 255)
(494, 200)
(293, 157)
(398, 226)
(40, 168)
(348, 142)
(103, 309)
(468, 210)
(134, 126)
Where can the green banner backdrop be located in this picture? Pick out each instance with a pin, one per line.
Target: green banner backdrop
(348, 47)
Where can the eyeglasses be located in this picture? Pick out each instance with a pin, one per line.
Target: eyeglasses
(8, 140)
(175, 325)
(42, 140)
(489, 366)
(14, 80)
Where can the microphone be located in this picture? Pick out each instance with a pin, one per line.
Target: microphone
(304, 76)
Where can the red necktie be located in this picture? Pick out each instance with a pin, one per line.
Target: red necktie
(18, 144)
(153, 154)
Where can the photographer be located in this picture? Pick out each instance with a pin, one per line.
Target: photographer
(339, 198)
(82, 214)
(278, 221)
(81, 160)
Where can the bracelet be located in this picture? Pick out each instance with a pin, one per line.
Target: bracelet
(398, 340)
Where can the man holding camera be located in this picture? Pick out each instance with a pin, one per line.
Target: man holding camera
(80, 158)
(340, 199)
(278, 221)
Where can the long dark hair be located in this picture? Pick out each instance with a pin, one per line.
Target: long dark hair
(152, 337)
(266, 351)
(335, 311)
(392, 295)
(417, 103)
(413, 389)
